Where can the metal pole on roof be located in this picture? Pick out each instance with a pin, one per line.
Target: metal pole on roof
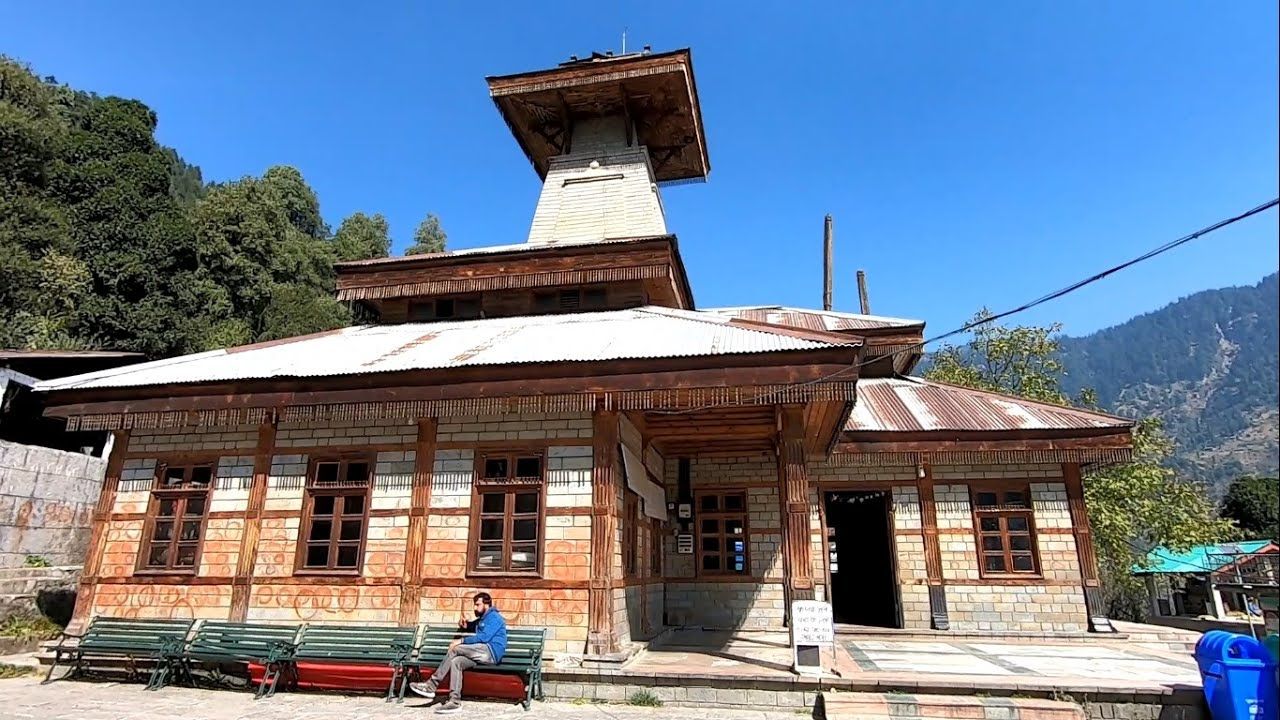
(827, 252)
(864, 304)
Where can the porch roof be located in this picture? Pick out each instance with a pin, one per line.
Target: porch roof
(635, 334)
(912, 404)
(829, 320)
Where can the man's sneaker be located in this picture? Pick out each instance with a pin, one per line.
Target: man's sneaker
(425, 689)
(452, 707)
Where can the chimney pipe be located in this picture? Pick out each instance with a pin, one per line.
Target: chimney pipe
(863, 302)
(827, 251)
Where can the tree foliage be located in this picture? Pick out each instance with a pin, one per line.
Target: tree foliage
(1253, 503)
(1132, 507)
(108, 239)
(428, 238)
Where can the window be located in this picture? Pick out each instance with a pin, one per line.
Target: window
(506, 518)
(722, 534)
(630, 534)
(1006, 535)
(335, 515)
(449, 308)
(570, 300)
(175, 522)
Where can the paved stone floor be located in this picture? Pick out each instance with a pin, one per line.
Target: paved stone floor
(26, 699)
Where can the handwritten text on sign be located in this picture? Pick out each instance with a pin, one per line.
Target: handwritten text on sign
(811, 623)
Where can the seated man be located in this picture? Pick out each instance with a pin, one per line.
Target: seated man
(484, 647)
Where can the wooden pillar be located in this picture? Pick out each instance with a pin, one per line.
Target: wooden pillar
(242, 583)
(1088, 559)
(423, 461)
(604, 532)
(98, 531)
(793, 478)
(932, 550)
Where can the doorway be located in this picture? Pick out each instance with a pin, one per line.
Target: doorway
(864, 582)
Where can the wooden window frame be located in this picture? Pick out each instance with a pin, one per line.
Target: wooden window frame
(1002, 514)
(700, 515)
(630, 534)
(157, 494)
(510, 486)
(556, 298)
(433, 303)
(310, 491)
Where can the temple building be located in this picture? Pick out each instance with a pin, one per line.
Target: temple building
(553, 420)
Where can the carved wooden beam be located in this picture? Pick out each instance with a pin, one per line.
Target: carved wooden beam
(98, 531)
(932, 550)
(1085, 554)
(793, 477)
(242, 584)
(604, 522)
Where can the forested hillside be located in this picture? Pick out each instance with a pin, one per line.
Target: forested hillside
(110, 240)
(1206, 365)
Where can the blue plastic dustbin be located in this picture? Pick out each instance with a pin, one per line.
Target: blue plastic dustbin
(1239, 677)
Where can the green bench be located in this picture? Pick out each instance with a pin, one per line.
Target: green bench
(155, 640)
(228, 642)
(523, 657)
(357, 644)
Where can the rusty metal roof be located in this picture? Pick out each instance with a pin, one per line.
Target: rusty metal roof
(641, 333)
(828, 320)
(494, 250)
(907, 404)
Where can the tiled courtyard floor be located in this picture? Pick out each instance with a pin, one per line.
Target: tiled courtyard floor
(26, 699)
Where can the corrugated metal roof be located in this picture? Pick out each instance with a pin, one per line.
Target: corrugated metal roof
(914, 404)
(649, 332)
(829, 320)
(494, 250)
(1198, 560)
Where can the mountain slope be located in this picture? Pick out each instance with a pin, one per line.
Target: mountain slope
(1206, 365)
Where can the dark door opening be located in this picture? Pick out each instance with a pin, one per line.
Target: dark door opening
(864, 584)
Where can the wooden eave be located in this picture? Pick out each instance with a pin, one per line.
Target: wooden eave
(985, 440)
(544, 266)
(781, 368)
(656, 91)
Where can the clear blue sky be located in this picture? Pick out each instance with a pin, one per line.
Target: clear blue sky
(971, 153)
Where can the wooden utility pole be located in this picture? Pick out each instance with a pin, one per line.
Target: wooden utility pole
(864, 304)
(827, 251)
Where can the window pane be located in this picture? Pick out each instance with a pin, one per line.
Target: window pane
(1020, 542)
(989, 524)
(186, 556)
(164, 531)
(495, 467)
(985, 500)
(524, 530)
(190, 531)
(317, 555)
(992, 542)
(711, 527)
(489, 556)
(529, 467)
(444, 308)
(324, 505)
(711, 544)
(733, 527)
(201, 474)
(994, 563)
(1015, 499)
(734, 502)
(1017, 524)
(195, 506)
(348, 556)
(594, 297)
(327, 472)
(421, 311)
(709, 503)
(174, 476)
(710, 562)
(168, 507)
(357, 473)
(524, 556)
(526, 502)
(491, 529)
(544, 302)
(465, 308)
(158, 555)
(321, 530)
(1023, 563)
(351, 529)
(353, 505)
(493, 502)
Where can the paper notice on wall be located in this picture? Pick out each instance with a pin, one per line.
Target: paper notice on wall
(655, 498)
(811, 623)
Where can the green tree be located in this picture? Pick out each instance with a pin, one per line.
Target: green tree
(1253, 503)
(428, 238)
(1132, 507)
(361, 237)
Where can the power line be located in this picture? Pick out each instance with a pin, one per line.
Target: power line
(1154, 252)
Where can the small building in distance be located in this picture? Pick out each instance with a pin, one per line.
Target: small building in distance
(553, 420)
(1215, 582)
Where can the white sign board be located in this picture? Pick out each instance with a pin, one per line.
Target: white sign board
(811, 623)
(684, 544)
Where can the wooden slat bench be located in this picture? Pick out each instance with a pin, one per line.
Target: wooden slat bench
(351, 644)
(155, 640)
(523, 658)
(228, 642)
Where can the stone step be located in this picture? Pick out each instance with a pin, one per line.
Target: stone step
(873, 706)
